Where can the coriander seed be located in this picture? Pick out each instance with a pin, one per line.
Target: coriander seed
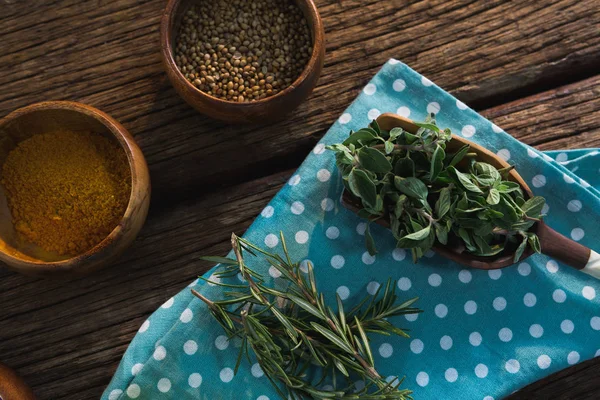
(243, 51)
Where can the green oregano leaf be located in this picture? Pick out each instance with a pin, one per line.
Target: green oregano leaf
(369, 241)
(374, 160)
(363, 187)
(412, 187)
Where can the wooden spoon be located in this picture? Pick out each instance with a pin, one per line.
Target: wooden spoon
(552, 243)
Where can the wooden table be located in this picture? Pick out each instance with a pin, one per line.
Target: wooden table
(533, 67)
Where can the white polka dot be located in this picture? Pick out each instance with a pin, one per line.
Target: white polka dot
(544, 361)
(499, 303)
(136, 368)
(416, 346)
(370, 89)
(373, 114)
(529, 300)
(323, 175)
(361, 228)
(577, 234)
(488, 398)
(495, 274)
(441, 310)
(505, 334)
(319, 149)
(567, 326)
(294, 180)
(429, 253)
(451, 375)
(552, 266)
(568, 179)
(332, 232)
(559, 296)
(399, 85)
(585, 184)
(481, 370)
(190, 347)
(186, 316)
(573, 357)
(114, 394)
(588, 292)
(274, 272)
(159, 353)
(226, 375)
(404, 284)
(545, 209)
(426, 82)
(327, 204)
(532, 153)
(399, 254)
(133, 391)
(271, 240)
(372, 287)
(194, 283)
(574, 206)
(461, 105)
(195, 380)
(434, 280)
(304, 265)
(433, 107)
(168, 303)
(263, 397)
(512, 366)
(538, 181)
(213, 280)
(338, 261)
(221, 342)
(475, 339)
(422, 379)
(597, 353)
(144, 326)
(504, 154)
(343, 292)
(546, 157)
(470, 307)
(301, 237)
(345, 118)
(392, 62)
(257, 371)
(595, 323)
(536, 331)
(297, 208)
(524, 269)
(411, 317)
(468, 131)
(386, 350)
(403, 111)
(446, 342)
(267, 212)
(562, 157)
(465, 276)
(367, 258)
(496, 128)
(164, 385)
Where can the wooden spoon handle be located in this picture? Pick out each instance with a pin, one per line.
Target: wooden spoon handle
(568, 251)
(12, 387)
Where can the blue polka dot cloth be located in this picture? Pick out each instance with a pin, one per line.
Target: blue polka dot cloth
(482, 334)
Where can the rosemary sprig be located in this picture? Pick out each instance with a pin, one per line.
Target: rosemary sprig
(299, 341)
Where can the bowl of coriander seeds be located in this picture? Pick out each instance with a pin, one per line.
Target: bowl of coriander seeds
(243, 61)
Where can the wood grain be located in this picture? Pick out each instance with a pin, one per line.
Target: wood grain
(66, 339)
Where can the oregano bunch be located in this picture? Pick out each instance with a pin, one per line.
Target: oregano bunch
(433, 196)
(301, 343)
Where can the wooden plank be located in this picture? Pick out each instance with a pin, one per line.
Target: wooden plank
(106, 54)
(66, 338)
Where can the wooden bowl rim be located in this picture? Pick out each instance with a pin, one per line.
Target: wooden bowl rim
(140, 180)
(166, 36)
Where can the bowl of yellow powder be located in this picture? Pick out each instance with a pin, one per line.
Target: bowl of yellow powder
(74, 189)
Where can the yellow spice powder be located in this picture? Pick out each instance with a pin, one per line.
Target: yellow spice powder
(66, 190)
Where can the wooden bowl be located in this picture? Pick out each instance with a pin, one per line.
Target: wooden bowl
(265, 110)
(49, 116)
(12, 386)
